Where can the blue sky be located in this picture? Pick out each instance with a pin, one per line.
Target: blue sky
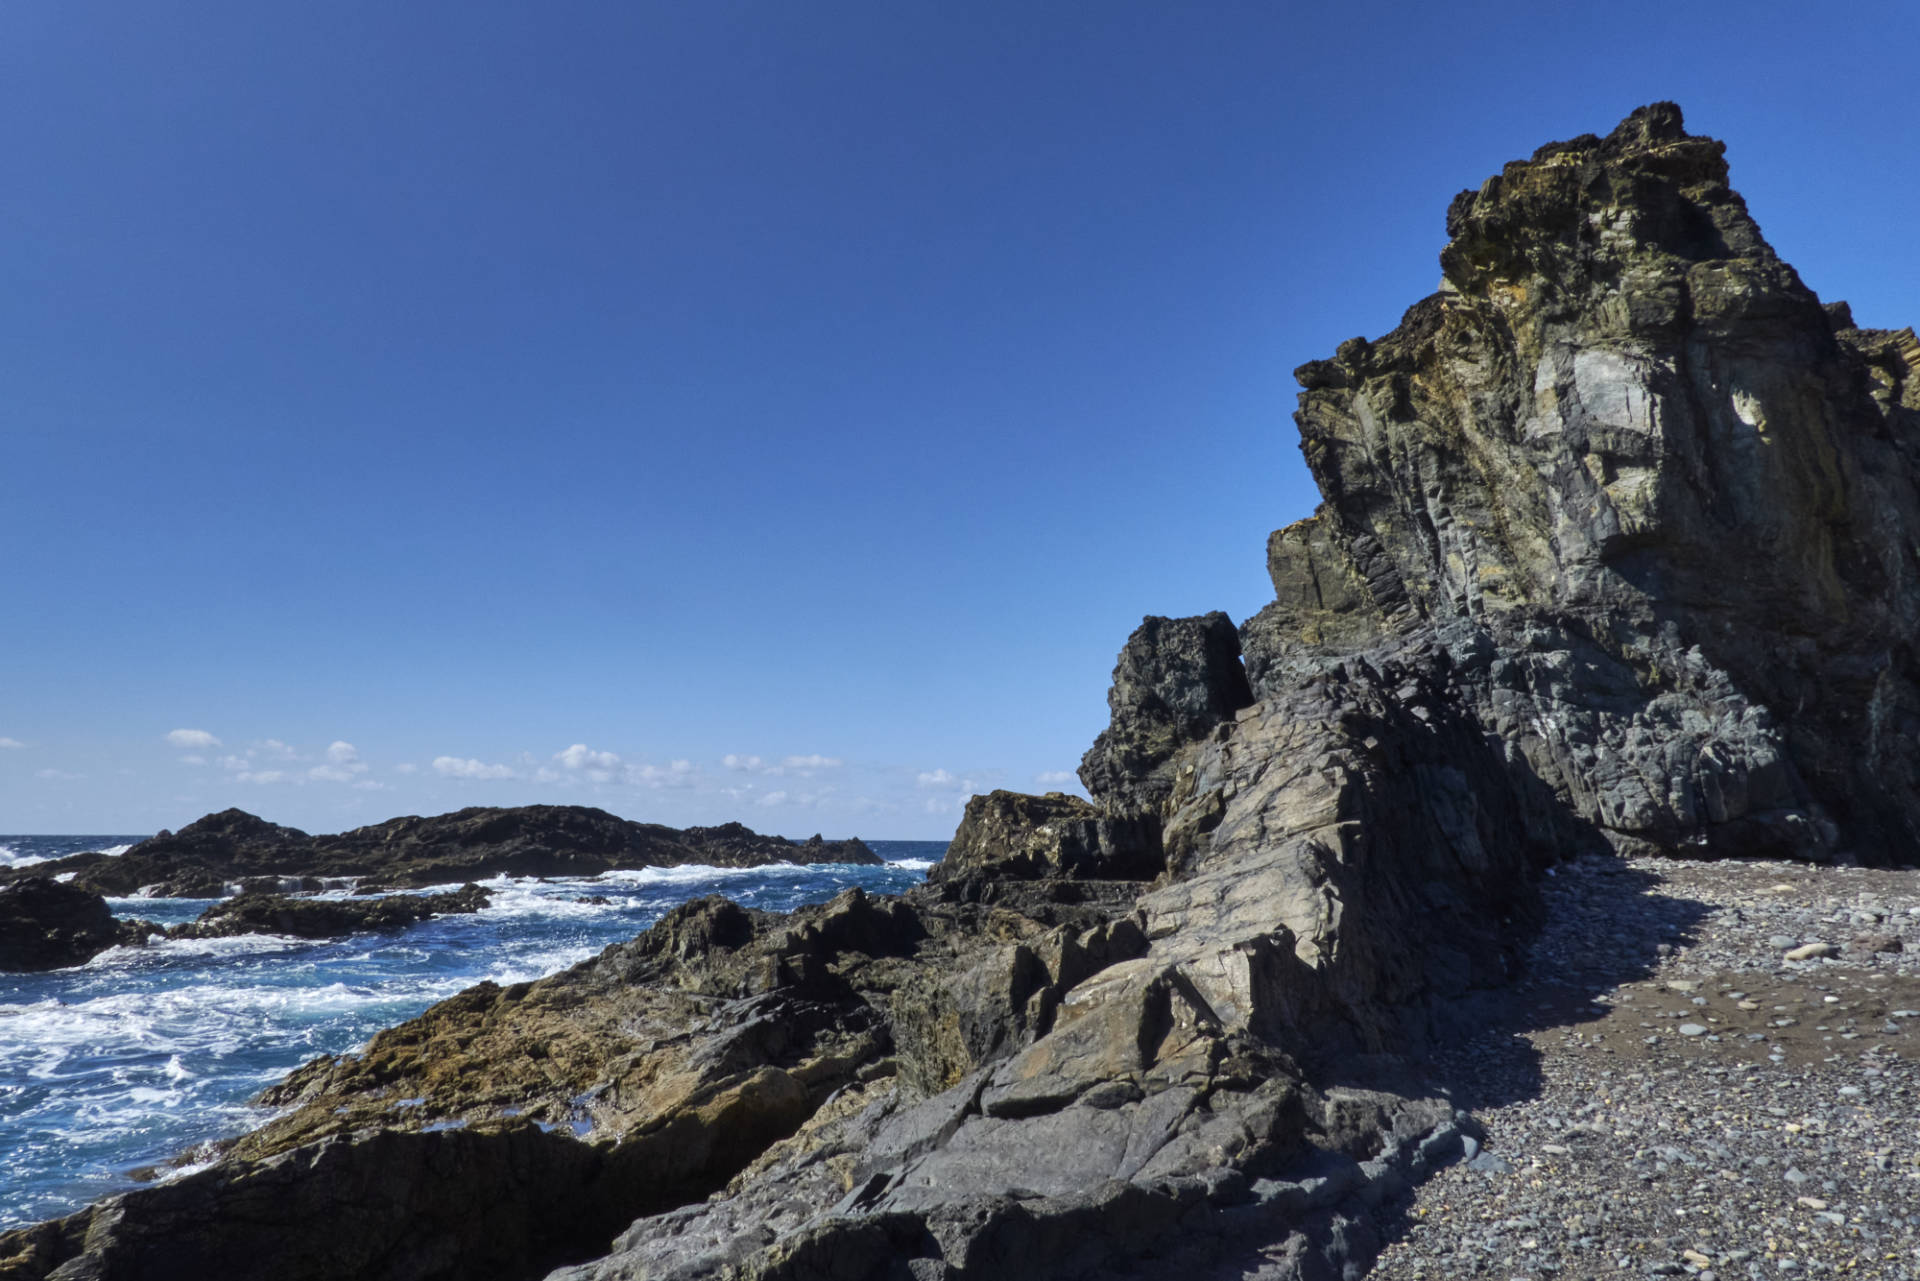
(776, 411)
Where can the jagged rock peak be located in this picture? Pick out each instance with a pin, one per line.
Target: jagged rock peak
(1175, 680)
(1577, 210)
(1653, 498)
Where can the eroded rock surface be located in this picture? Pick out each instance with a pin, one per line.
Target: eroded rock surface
(207, 857)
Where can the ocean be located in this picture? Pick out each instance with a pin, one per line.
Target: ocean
(145, 1054)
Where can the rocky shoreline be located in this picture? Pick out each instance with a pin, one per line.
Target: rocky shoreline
(1401, 878)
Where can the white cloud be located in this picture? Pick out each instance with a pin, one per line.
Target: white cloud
(774, 798)
(274, 747)
(194, 759)
(406, 767)
(343, 764)
(581, 759)
(936, 778)
(369, 785)
(455, 767)
(261, 776)
(11, 742)
(1054, 777)
(235, 763)
(57, 775)
(675, 774)
(580, 756)
(192, 738)
(804, 766)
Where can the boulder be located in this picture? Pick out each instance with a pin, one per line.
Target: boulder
(1177, 678)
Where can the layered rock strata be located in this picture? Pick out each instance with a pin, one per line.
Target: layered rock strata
(1615, 554)
(207, 858)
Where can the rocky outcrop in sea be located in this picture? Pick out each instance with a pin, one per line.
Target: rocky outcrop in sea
(47, 925)
(210, 857)
(1615, 559)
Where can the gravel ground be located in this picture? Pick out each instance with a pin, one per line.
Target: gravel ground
(1678, 1098)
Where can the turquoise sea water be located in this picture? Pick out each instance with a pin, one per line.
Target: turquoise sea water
(144, 1053)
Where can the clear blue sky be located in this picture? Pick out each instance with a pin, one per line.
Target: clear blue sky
(405, 394)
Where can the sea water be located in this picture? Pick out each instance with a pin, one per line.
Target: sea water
(146, 1053)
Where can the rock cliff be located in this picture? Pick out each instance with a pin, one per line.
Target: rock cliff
(1616, 552)
(1655, 502)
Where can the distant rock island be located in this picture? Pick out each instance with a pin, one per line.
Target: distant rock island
(235, 848)
(1617, 555)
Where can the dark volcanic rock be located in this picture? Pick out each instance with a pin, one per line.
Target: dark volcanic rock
(1176, 679)
(313, 918)
(204, 858)
(45, 925)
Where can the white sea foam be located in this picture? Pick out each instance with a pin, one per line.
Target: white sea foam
(529, 966)
(912, 864)
(522, 897)
(688, 873)
(12, 857)
(115, 849)
(162, 951)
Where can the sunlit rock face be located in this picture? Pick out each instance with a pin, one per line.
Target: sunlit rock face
(1655, 501)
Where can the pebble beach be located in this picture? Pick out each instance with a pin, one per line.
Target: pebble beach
(1709, 1071)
